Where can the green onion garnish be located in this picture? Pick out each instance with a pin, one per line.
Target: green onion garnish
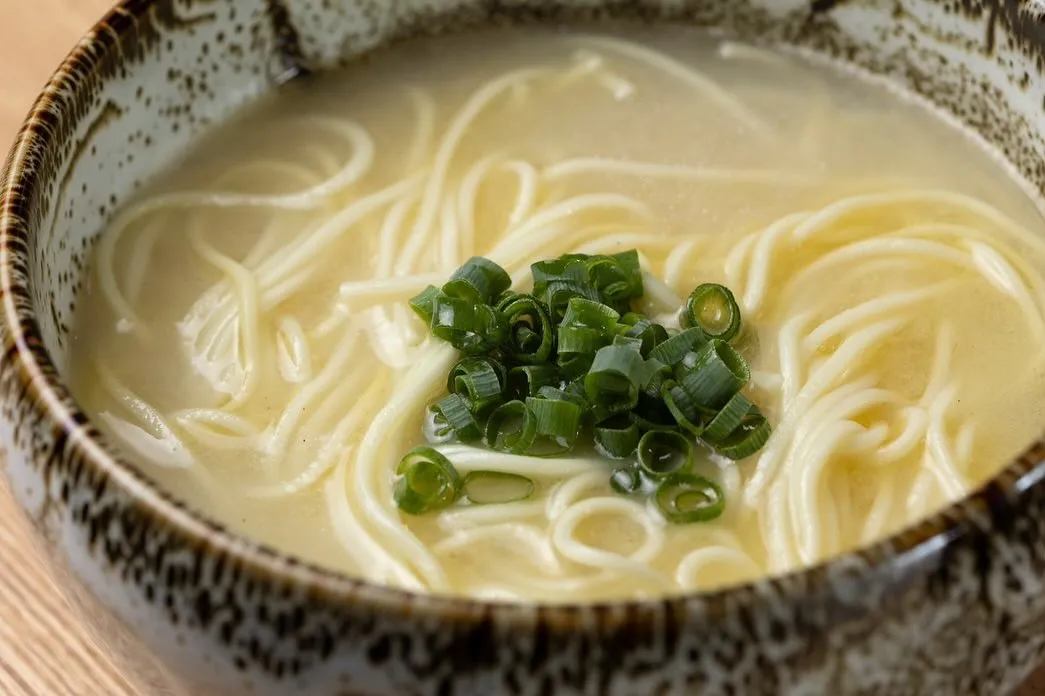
(526, 380)
(479, 280)
(749, 437)
(574, 363)
(684, 498)
(471, 328)
(617, 437)
(717, 373)
(453, 413)
(423, 303)
(493, 487)
(557, 421)
(728, 418)
(511, 428)
(672, 351)
(427, 481)
(480, 381)
(713, 309)
(615, 378)
(529, 329)
(662, 452)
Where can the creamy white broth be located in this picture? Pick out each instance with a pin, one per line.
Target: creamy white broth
(245, 336)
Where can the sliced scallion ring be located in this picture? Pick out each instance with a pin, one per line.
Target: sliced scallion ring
(684, 498)
(556, 420)
(727, 420)
(427, 482)
(480, 381)
(453, 412)
(617, 437)
(748, 438)
(717, 373)
(662, 452)
(478, 280)
(531, 336)
(713, 309)
(511, 428)
(615, 378)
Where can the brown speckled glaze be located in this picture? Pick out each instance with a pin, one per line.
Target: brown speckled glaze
(954, 605)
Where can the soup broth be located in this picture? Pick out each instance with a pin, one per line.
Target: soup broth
(245, 336)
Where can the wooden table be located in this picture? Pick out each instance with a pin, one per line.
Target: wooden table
(43, 649)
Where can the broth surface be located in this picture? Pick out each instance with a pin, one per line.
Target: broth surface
(956, 361)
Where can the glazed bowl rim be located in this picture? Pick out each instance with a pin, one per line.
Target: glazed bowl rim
(37, 378)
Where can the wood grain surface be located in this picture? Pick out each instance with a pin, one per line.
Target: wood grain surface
(44, 651)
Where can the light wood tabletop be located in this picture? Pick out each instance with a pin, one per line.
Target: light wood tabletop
(44, 651)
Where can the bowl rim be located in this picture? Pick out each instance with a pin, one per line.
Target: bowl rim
(37, 380)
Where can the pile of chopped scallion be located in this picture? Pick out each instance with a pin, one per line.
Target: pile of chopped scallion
(572, 363)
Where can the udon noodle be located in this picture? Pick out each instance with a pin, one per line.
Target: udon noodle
(247, 339)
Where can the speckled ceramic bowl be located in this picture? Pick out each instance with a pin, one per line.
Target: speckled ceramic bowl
(955, 605)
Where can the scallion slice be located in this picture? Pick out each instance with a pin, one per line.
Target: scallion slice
(617, 437)
(713, 308)
(718, 372)
(616, 376)
(748, 438)
(423, 303)
(684, 498)
(531, 337)
(472, 328)
(672, 351)
(527, 380)
(481, 381)
(685, 411)
(727, 420)
(453, 412)
(662, 452)
(479, 280)
(494, 487)
(557, 421)
(511, 428)
(427, 481)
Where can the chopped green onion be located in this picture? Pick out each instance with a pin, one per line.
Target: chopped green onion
(651, 414)
(626, 480)
(728, 418)
(494, 487)
(685, 411)
(428, 481)
(471, 328)
(662, 452)
(479, 280)
(455, 413)
(557, 420)
(511, 428)
(650, 333)
(717, 373)
(713, 309)
(617, 438)
(594, 315)
(749, 437)
(423, 303)
(526, 380)
(615, 378)
(684, 498)
(672, 351)
(480, 380)
(529, 329)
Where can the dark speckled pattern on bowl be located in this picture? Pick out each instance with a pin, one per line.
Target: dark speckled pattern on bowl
(955, 605)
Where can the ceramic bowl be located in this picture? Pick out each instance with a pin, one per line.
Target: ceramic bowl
(954, 605)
